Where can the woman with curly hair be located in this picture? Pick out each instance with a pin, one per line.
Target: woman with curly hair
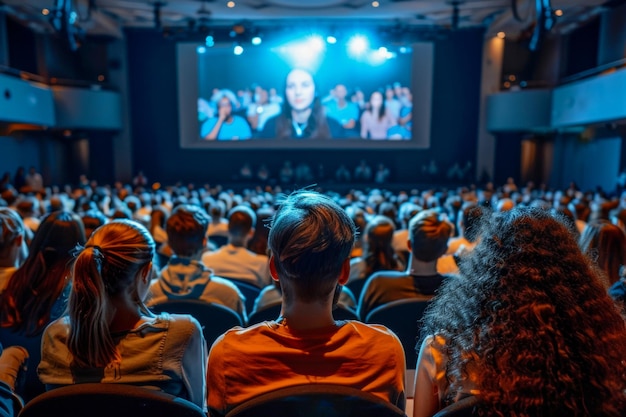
(527, 327)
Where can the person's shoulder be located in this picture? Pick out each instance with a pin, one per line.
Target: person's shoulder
(172, 319)
(371, 330)
(58, 327)
(224, 284)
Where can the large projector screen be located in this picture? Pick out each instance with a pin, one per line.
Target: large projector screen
(304, 94)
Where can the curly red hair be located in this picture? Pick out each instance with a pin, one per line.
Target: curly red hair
(529, 313)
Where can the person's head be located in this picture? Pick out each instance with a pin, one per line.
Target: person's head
(429, 232)
(13, 249)
(470, 220)
(115, 264)
(605, 244)
(376, 100)
(241, 221)
(529, 320)
(92, 219)
(340, 92)
(310, 241)
(377, 250)
(35, 287)
(225, 103)
(186, 230)
(299, 89)
(377, 105)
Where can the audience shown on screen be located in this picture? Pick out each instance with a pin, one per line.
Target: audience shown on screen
(226, 126)
(259, 112)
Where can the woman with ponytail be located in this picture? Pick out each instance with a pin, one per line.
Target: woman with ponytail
(109, 335)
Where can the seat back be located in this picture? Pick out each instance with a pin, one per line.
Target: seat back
(215, 319)
(108, 400)
(403, 318)
(312, 400)
(269, 312)
(356, 287)
(465, 407)
(250, 291)
(272, 311)
(218, 240)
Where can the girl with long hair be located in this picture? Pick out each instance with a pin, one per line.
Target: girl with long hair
(378, 253)
(527, 327)
(376, 120)
(37, 291)
(109, 335)
(605, 244)
(302, 115)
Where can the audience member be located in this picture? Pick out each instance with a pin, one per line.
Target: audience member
(378, 253)
(343, 111)
(37, 292)
(109, 335)
(13, 361)
(428, 238)
(234, 260)
(13, 248)
(226, 126)
(605, 244)
(310, 242)
(526, 327)
(469, 223)
(92, 219)
(184, 276)
(376, 121)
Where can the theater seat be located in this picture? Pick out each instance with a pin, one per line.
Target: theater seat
(402, 317)
(271, 312)
(215, 319)
(313, 400)
(108, 400)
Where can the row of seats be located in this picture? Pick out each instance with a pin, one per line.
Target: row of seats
(216, 319)
(310, 400)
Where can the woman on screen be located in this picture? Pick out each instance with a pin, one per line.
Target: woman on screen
(376, 121)
(302, 115)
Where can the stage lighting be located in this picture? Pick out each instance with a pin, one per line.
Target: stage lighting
(210, 41)
(316, 43)
(256, 40)
(238, 50)
(201, 49)
(330, 39)
(358, 45)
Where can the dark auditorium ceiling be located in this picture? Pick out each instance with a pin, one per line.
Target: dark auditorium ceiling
(107, 17)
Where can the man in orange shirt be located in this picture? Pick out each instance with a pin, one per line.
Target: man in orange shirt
(310, 241)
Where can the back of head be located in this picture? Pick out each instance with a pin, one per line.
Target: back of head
(186, 230)
(109, 264)
(92, 219)
(11, 228)
(529, 319)
(605, 244)
(310, 238)
(37, 284)
(429, 232)
(378, 251)
(241, 220)
(473, 214)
